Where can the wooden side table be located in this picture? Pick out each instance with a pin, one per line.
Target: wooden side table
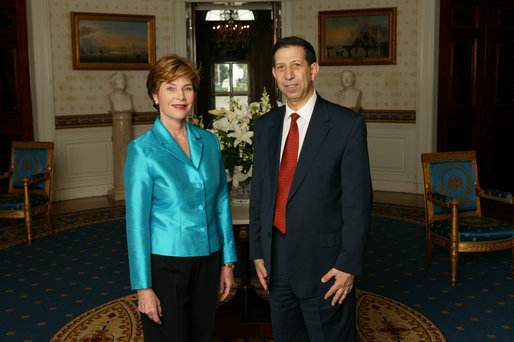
(246, 314)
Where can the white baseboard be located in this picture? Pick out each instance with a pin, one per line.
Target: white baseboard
(395, 186)
(81, 192)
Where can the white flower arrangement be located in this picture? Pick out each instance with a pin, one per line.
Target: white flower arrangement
(234, 128)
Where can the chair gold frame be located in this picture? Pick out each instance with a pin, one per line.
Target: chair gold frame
(28, 210)
(453, 244)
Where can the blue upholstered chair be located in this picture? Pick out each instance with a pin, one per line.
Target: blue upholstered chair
(453, 214)
(30, 183)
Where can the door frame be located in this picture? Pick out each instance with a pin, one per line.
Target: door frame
(180, 34)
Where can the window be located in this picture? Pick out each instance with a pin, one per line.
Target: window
(230, 80)
(221, 15)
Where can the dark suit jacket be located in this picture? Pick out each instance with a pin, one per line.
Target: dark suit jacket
(328, 209)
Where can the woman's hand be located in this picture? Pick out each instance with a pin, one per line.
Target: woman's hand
(149, 304)
(226, 280)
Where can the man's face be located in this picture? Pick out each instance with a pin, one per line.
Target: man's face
(294, 76)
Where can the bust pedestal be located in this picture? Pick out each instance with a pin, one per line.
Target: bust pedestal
(121, 136)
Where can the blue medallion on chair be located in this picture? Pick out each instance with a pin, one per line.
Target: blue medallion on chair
(454, 180)
(29, 161)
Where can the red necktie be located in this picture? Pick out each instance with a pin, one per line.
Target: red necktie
(286, 173)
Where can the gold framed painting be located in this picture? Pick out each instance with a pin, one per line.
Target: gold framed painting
(355, 37)
(112, 41)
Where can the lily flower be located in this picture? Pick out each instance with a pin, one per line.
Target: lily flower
(241, 134)
(238, 176)
(233, 126)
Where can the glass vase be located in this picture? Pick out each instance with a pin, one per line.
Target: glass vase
(241, 193)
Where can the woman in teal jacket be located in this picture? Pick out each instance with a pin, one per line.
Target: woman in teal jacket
(179, 225)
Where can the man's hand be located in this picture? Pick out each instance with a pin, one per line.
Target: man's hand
(261, 273)
(226, 282)
(342, 286)
(149, 304)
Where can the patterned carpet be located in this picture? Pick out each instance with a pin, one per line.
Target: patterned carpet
(379, 319)
(13, 232)
(479, 308)
(78, 278)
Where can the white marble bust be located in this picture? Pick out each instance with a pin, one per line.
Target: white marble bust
(349, 96)
(120, 100)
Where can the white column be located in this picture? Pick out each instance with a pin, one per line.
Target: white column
(40, 61)
(121, 136)
(428, 64)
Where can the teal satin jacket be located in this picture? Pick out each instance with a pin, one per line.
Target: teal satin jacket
(176, 206)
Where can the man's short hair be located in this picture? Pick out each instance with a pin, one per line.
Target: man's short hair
(310, 54)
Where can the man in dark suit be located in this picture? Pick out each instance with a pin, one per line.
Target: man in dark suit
(310, 204)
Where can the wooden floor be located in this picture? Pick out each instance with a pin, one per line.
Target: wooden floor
(103, 201)
(83, 204)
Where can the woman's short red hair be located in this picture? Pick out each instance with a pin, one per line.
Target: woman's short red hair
(167, 69)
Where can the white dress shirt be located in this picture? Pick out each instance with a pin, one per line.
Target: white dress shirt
(303, 122)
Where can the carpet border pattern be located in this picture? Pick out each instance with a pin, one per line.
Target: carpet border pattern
(118, 320)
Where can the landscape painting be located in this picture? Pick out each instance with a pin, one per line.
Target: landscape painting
(112, 41)
(356, 37)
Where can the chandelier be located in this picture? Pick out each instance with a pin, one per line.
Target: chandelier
(230, 33)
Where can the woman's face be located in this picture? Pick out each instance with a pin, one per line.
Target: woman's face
(175, 99)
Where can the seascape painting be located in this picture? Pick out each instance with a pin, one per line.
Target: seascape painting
(358, 37)
(112, 41)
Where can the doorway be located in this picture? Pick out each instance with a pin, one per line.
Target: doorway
(234, 65)
(476, 85)
(15, 100)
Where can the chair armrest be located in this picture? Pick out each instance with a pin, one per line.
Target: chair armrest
(497, 195)
(6, 174)
(442, 200)
(35, 178)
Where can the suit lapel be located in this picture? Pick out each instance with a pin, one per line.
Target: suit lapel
(275, 132)
(314, 138)
(195, 146)
(174, 148)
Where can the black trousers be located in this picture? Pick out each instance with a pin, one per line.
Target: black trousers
(296, 319)
(188, 290)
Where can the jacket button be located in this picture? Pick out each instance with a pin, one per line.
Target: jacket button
(200, 207)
